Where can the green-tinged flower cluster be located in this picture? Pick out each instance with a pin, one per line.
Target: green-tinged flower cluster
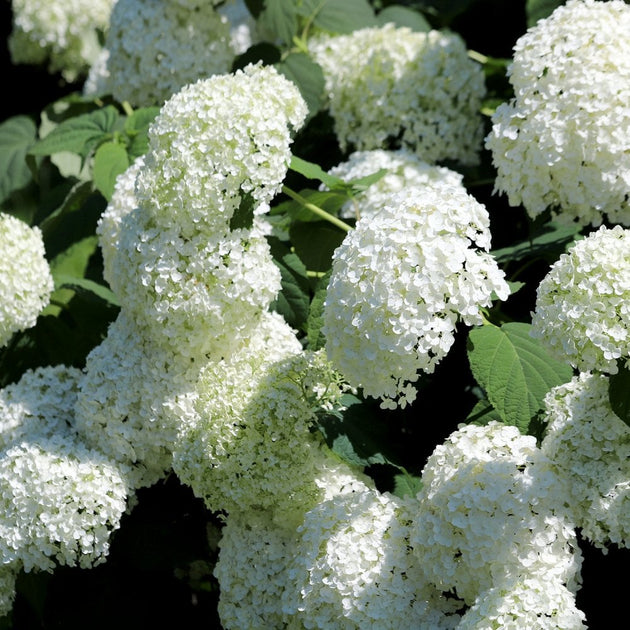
(590, 446)
(64, 34)
(390, 87)
(26, 282)
(401, 281)
(582, 311)
(561, 142)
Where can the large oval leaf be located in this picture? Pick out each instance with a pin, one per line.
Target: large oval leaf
(17, 134)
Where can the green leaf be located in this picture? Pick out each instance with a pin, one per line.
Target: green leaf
(314, 171)
(110, 160)
(539, 9)
(514, 369)
(315, 320)
(243, 216)
(339, 16)
(265, 52)
(137, 129)
(331, 202)
(619, 392)
(79, 135)
(87, 287)
(315, 242)
(403, 16)
(308, 76)
(17, 134)
(483, 413)
(279, 18)
(74, 260)
(406, 485)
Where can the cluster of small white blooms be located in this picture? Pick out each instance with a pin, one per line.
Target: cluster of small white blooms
(418, 90)
(252, 445)
(25, 278)
(352, 568)
(491, 508)
(156, 47)
(252, 571)
(40, 404)
(217, 140)
(401, 280)
(8, 578)
(582, 311)
(60, 502)
(535, 603)
(561, 143)
(123, 404)
(63, 33)
(122, 202)
(590, 446)
(404, 170)
(196, 295)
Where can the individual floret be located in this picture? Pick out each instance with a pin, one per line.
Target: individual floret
(561, 142)
(26, 282)
(395, 88)
(65, 34)
(590, 447)
(404, 170)
(582, 312)
(492, 509)
(217, 141)
(400, 283)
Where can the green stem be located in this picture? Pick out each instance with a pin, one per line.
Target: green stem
(316, 209)
(477, 56)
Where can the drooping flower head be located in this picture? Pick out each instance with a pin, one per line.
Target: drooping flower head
(216, 141)
(590, 446)
(582, 312)
(491, 508)
(561, 142)
(25, 278)
(401, 281)
(393, 86)
(64, 34)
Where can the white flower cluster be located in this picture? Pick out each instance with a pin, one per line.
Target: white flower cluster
(352, 568)
(392, 85)
(25, 278)
(590, 446)
(62, 33)
(561, 142)
(59, 499)
(582, 311)
(252, 444)
(404, 170)
(491, 508)
(156, 47)
(216, 141)
(8, 579)
(401, 281)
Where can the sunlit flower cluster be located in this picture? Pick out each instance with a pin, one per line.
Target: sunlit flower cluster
(216, 141)
(26, 282)
(404, 170)
(561, 142)
(392, 87)
(582, 312)
(156, 47)
(590, 446)
(400, 283)
(491, 508)
(64, 34)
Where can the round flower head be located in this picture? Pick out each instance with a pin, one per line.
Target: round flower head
(389, 85)
(156, 47)
(62, 33)
(404, 170)
(39, 405)
(401, 280)
(216, 141)
(196, 295)
(590, 446)
(351, 568)
(25, 279)
(254, 447)
(60, 502)
(123, 405)
(582, 312)
(561, 142)
(491, 509)
(535, 603)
